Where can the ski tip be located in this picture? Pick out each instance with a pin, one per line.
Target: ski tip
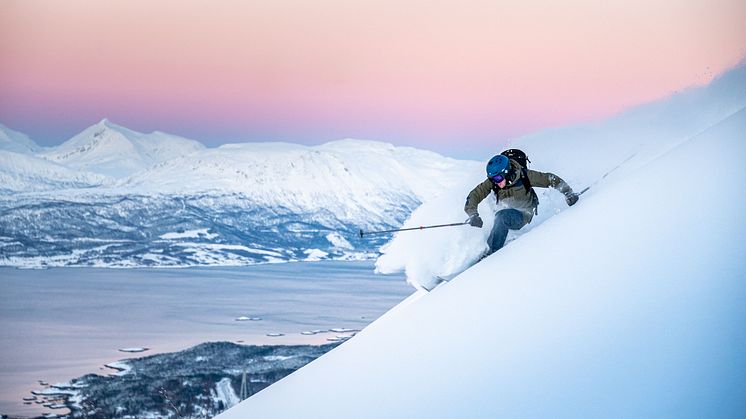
(420, 287)
(438, 280)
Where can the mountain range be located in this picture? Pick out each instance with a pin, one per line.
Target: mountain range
(111, 196)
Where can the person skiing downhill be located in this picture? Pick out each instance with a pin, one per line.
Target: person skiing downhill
(512, 183)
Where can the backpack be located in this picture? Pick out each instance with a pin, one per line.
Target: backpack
(517, 155)
(522, 159)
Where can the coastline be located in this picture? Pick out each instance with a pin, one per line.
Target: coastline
(218, 372)
(72, 321)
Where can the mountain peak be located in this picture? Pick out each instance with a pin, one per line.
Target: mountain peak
(106, 124)
(113, 150)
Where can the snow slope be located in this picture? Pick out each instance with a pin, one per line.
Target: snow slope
(581, 155)
(27, 173)
(15, 141)
(584, 152)
(628, 304)
(116, 151)
(22, 169)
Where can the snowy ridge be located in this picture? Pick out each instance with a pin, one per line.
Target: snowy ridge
(17, 142)
(116, 151)
(625, 305)
(344, 178)
(26, 173)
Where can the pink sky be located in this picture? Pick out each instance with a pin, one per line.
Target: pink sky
(433, 74)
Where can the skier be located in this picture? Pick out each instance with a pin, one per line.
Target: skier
(512, 184)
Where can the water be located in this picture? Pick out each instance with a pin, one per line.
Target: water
(61, 323)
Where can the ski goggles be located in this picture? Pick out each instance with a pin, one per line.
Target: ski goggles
(498, 178)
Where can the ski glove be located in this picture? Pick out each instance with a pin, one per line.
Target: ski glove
(475, 221)
(572, 198)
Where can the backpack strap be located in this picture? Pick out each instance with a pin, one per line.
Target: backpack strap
(530, 190)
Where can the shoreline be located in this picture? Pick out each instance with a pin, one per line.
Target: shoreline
(68, 395)
(71, 324)
(266, 364)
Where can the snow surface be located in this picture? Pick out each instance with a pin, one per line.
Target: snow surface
(581, 155)
(122, 367)
(628, 304)
(190, 234)
(133, 349)
(18, 142)
(340, 177)
(225, 393)
(21, 172)
(116, 151)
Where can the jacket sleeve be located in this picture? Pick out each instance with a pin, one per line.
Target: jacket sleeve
(476, 196)
(545, 180)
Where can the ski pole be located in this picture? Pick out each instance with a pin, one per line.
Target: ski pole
(408, 229)
(607, 174)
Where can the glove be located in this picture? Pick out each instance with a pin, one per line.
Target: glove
(572, 198)
(475, 221)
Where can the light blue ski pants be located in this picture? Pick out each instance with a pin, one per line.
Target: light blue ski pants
(507, 219)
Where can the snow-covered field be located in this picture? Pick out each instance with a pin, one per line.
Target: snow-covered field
(224, 392)
(628, 304)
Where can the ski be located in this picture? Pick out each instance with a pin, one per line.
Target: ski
(439, 279)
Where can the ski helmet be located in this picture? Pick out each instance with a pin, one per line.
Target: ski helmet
(498, 165)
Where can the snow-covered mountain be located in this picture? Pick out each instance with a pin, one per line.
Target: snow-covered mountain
(18, 142)
(21, 172)
(236, 204)
(116, 151)
(349, 179)
(627, 304)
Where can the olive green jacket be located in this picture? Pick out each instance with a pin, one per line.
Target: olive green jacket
(514, 195)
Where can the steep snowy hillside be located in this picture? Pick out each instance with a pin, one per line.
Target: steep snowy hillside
(626, 305)
(15, 141)
(581, 155)
(112, 150)
(26, 173)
